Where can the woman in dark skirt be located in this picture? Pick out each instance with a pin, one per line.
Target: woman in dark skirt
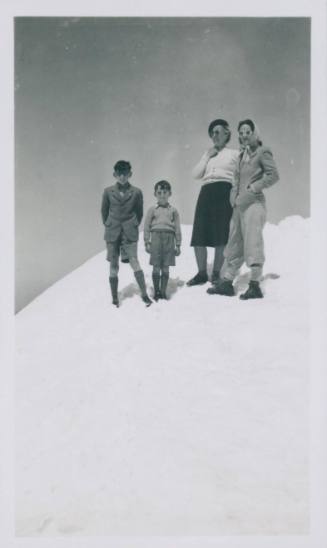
(213, 210)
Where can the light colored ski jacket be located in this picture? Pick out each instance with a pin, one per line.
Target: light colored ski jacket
(255, 172)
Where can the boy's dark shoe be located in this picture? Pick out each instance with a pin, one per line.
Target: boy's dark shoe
(157, 295)
(146, 300)
(252, 292)
(223, 287)
(114, 290)
(215, 277)
(199, 279)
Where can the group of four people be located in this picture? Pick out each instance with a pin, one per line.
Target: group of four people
(230, 215)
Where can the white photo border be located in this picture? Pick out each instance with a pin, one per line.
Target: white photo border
(317, 11)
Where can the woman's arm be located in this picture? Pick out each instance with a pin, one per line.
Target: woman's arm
(270, 172)
(199, 170)
(235, 180)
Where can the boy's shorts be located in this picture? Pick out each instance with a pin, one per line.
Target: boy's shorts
(162, 248)
(122, 247)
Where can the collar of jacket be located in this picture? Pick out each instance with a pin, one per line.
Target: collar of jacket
(123, 188)
(166, 205)
(247, 153)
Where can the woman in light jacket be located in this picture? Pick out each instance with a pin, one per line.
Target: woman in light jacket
(256, 171)
(213, 209)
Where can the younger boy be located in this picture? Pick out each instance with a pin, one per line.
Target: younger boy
(122, 212)
(162, 238)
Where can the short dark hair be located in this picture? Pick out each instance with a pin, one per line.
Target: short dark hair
(162, 185)
(220, 122)
(122, 167)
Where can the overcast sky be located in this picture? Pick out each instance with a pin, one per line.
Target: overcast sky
(91, 91)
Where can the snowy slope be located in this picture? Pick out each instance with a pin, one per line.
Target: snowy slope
(186, 418)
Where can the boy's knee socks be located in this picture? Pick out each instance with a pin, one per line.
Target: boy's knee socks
(156, 282)
(139, 276)
(164, 283)
(113, 280)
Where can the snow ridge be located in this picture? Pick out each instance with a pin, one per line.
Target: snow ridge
(186, 418)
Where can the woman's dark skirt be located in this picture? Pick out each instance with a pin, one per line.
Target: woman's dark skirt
(212, 215)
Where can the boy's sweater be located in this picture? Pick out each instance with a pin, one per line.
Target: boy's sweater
(162, 218)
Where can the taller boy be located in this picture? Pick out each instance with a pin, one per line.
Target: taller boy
(122, 212)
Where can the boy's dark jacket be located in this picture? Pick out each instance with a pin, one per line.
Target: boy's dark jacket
(121, 214)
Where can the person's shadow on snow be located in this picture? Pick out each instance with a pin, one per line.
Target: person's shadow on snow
(174, 284)
(128, 292)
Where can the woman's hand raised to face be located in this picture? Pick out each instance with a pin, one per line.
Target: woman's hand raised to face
(211, 152)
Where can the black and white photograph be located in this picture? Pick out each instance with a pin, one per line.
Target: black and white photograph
(167, 263)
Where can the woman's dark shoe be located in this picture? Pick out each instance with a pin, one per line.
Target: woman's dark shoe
(199, 279)
(252, 292)
(223, 287)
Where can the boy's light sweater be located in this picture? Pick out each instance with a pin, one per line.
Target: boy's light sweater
(162, 218)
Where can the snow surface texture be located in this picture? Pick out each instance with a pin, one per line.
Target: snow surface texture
(186, 418)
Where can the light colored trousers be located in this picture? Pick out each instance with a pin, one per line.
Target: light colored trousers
(245, 242)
